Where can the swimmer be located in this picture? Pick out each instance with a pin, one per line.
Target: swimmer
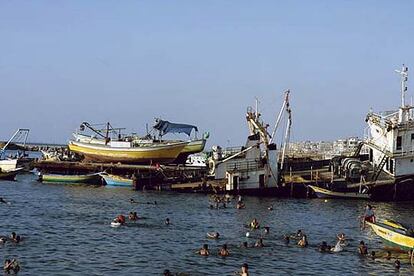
(133, 216)
(120, 219)
(213, 235)
(266, 229)
(270, 208)
(286, 238)
(341, 238)
(224, 252)
(2, 200)
(254, 224)
(244, 270)
(259, 243)
(204, 250)
(338, 247)
(3, 239)
(298, 235)
(303, 242)
(240, 205)
(412, 257)
(323, 247)
(362, 248)
(11, 265)
(373, 255)
(133, 201)
(167, 272)
(244, 245)
(397, 264)
(167, 221)
(388, 256)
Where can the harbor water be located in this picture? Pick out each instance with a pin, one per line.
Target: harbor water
(66, 231)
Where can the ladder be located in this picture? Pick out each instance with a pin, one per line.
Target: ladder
(378, 169)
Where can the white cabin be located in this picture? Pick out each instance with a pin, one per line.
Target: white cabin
(391, 137)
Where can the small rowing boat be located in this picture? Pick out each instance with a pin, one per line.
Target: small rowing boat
(115, 180)
(10, 174)
(324, 193)
(394, 233)
(94, 178)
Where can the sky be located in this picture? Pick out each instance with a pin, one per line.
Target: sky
(200, 62)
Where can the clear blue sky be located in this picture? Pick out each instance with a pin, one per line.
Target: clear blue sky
(200, 62)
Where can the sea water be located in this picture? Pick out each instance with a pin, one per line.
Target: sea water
(66, 231)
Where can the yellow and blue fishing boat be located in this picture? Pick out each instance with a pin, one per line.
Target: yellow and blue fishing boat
(129, 153)
(116, 180)
(394, 233)
(94, 178)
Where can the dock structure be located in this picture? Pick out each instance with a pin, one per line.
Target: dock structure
(152, 176)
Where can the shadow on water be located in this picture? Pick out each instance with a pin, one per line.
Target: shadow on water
(67, 229)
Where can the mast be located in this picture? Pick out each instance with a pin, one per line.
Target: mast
(404, 109)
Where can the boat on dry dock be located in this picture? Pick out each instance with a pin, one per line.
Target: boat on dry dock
(128, 152)
(105, 135)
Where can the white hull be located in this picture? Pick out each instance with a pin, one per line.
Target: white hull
(8, 164)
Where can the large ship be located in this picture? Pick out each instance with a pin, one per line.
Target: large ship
(391, 148)
(255, 167)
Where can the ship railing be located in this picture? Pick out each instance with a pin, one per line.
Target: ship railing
(245, 165)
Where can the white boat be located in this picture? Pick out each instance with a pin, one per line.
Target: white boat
(8, 164)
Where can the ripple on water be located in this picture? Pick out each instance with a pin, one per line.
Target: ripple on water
(66, 229)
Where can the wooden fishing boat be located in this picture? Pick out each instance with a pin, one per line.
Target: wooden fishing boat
(127, 152)
(94, 178)
(10, 174)
(394, 233)
(324, 193)
(115, 180)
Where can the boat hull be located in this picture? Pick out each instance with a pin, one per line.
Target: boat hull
(194, 146)
(8, 164)
(10, 175)
(159, 153)
(115, 180)
(392, 237)
(68, 179)
(324, 193)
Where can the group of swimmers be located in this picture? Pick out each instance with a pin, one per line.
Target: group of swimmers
(13, 238)
(11, 265)
(217, 200)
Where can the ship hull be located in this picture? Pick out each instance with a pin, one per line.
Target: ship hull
(115, 180)
(159, 153)
(392, 237)
(68, 179)
(324, 193)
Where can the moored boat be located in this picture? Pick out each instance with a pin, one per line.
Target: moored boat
(126, 152)
(324, 193)
(10, 174)
(94, 178)
(8, 164)
(115, 180)
(394, 233)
